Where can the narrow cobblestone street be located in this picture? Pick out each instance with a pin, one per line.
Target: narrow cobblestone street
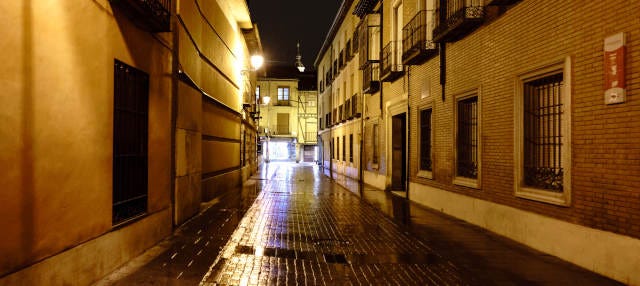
(305, 228)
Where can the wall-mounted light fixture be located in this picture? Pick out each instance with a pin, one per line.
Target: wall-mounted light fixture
(256, 62)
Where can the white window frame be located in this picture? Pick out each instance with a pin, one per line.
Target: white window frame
(560, 199)
(463, 181)
(424, 173)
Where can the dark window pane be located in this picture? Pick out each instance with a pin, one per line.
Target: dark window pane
(425, 139)
(467, 138)
(130, 136)
(543, 133)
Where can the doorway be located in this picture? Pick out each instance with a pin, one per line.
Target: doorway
(398, 152)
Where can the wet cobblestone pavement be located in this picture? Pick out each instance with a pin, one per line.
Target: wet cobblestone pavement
(304, 228)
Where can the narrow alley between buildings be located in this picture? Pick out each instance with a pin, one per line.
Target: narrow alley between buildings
(293, 224)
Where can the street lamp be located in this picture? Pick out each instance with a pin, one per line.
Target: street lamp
(299, 64)
(256, 61)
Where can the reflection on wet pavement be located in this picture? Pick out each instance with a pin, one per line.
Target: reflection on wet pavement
(305, 229)
(185, 257)
(291, 224)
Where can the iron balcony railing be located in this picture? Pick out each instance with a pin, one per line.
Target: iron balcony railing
(151, 15)
(371, 78)
(461, 17)
(417, 45)
(355, 42)
(391, 66)
(356, 108)
(348, 50)
(501, 2)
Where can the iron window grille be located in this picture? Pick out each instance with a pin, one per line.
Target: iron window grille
(351, 148)
(338, 148)
(375, 135)
(130, 137)
(543, 133)
(467, 138)
(425, 140)
(344, 148)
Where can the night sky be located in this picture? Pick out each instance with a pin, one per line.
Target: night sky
(282, 23)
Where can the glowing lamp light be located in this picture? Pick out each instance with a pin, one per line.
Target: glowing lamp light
(266, 99)
(256, 61)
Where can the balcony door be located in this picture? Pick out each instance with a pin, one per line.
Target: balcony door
(398, 152)
(283, 123)
(397, 33)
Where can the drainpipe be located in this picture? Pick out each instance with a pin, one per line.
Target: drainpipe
(362, 134)
(408, 155)
(443, 53)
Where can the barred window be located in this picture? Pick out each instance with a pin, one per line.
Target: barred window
(351, 148)
(375, 134)
(344, 148)
(425, 139)
(543, 133)
(130, 136)
(467, 138)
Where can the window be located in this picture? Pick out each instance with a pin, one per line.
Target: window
(542, 147)
(338, 148)
(425, 143)
(375, 143)
(467, 151)
(351, 148)
(130, 136)
(344, 148)
(283, 96)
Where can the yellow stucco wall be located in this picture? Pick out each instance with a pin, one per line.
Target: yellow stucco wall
(212, 52)
(56, 114)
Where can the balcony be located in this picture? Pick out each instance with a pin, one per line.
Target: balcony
(368, 40)
(354, 45)
(416, 46)
(371, 78)
(150, 15)
(501, 2)
(462, 18)
(356, 109)
(391, 66)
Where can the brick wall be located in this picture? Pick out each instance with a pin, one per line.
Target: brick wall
(605, 138)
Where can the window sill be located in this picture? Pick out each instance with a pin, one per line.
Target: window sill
(466, 182)
(559, 199)
(425, 174)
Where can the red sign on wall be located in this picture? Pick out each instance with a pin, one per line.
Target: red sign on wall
(614, 54)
